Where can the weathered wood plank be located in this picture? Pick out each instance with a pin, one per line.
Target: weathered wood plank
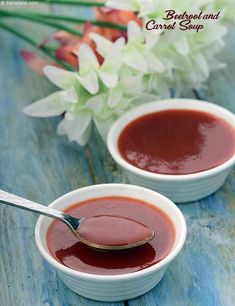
(37, 164)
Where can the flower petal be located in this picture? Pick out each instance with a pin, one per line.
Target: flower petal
(71, 95)
(53, 105)
(78, 129)
(114, 97)
(108, 71)
(152, 37)
(211, 34)
(121, 5)
(133, 85)
(109, 79)
(103, 45)
(200, 61)
(60, 77)
(114, 56)
(87, 59)
(181, 45)
(134, 33)
(135, 59)
(64, 38)
(69, 116)
(90, 82)
(154, 64)
(148, 7)
(95, 104)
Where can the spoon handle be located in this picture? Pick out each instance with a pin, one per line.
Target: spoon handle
(13, 200)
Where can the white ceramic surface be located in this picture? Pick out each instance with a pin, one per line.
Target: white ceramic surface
(178, 188)
(113, 287)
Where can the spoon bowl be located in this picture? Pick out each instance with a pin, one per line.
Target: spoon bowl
(99, 232)
(106, 232)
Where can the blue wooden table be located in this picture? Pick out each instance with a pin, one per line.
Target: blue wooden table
(37, 164)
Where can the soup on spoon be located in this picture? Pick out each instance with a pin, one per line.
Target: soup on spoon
(113, 232)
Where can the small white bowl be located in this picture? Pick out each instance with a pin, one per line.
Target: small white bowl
(113, 287)
(178, 188)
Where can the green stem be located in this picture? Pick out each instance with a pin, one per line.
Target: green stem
(40, 20)
(50, 48)
(35, 44)
(75, 2)
(81, 21)
(76, 20)
(102, 24)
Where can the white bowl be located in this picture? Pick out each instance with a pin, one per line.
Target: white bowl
(178, 188)
(113, 287)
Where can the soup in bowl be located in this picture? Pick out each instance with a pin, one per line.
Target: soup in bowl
(181, 148)
(112, 275)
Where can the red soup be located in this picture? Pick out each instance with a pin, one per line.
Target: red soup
(65, 248)
(177, 142)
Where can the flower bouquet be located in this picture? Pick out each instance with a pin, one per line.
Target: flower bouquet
(133, 52)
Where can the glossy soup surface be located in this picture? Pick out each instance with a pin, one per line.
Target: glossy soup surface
(177, 142)
(64, 246)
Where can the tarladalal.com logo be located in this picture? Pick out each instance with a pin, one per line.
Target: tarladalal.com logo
(18, 3)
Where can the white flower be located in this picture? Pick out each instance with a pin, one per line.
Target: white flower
(97, 92)
(150, 65)
(193, 60)
(136, 53)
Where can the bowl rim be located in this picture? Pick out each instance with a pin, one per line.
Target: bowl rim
(169, 257)
(140, 111)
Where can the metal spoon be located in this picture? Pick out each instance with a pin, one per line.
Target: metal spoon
(72, 222)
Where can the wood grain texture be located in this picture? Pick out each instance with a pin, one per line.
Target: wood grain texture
(37, 164)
